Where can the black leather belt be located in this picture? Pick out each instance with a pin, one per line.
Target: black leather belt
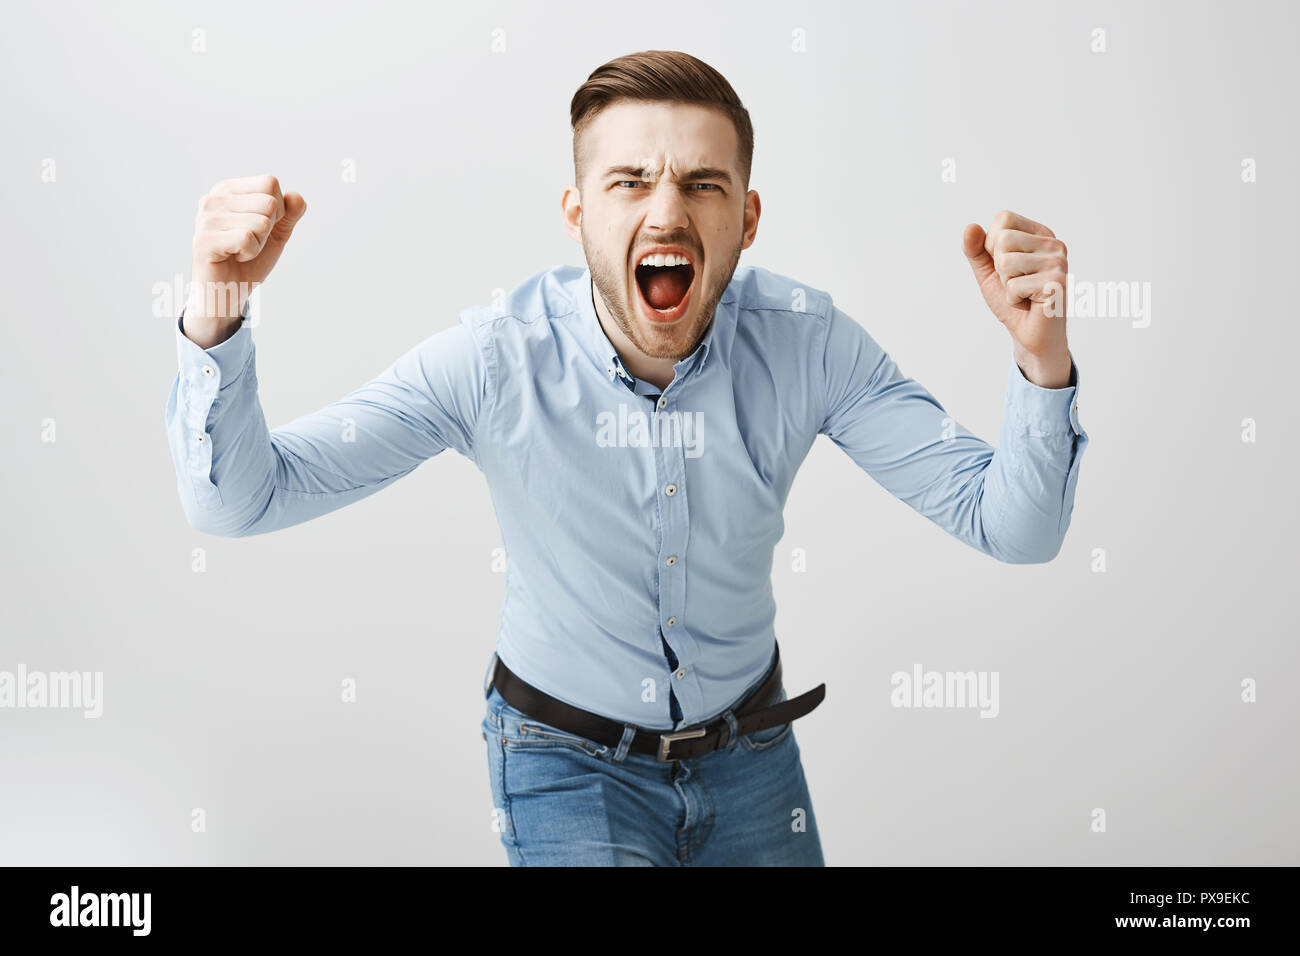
(688, 743)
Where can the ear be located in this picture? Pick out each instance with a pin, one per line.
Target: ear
(571, 211)
(753, 209)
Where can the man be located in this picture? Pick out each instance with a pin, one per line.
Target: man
(639, 424)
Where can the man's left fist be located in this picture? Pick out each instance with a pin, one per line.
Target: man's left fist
(1021, 269)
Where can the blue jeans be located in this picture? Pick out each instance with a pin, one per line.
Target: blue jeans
(561, 800)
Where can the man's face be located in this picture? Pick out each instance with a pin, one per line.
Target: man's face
(664, 179)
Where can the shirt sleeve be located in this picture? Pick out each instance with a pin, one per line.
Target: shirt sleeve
(235, 477)
(1013, 503)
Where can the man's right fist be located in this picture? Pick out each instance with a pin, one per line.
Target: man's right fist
(240, 230)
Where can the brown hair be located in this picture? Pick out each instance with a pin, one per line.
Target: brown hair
(665, 76)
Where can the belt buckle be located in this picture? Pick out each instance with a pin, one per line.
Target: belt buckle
(666, 740)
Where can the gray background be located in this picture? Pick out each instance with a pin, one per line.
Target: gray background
(1119, 690)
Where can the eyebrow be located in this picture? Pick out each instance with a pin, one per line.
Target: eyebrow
(694, 175)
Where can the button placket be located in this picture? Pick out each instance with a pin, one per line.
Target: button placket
(674, 513)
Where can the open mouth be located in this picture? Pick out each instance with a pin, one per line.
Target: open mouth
(665, 283)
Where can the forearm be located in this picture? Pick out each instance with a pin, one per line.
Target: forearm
(214, 312)
(236, 477)
(209, 332)
(1055, 370)
(1027, 495)
(226, 464)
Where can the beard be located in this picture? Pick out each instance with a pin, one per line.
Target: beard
(675, 343)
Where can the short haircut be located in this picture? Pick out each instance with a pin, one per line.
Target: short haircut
(660, 76)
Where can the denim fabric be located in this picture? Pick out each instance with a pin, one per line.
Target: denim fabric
(561, 800)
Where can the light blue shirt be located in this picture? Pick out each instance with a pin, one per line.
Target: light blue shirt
(628, 521)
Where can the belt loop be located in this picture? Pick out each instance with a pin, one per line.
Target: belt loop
(731, 731)
(490, 677)
(629, 731)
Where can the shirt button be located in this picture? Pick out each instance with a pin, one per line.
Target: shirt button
(200, 438)
(672, 559)
(662, 401)
(610, 370)
(670, 490)
(671, 621)
(209, 370)
(680, 674)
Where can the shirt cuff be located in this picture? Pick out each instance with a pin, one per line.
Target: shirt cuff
(217, 367)
(1044, 411)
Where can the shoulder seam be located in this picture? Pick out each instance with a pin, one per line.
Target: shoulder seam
(822, 307)
(486, 344)
(819, 354)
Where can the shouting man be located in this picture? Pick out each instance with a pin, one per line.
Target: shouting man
(639, 423)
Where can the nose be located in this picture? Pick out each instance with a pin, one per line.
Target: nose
(667, 209)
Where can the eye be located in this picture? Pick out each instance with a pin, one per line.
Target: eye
(628, 182)
(708, 186)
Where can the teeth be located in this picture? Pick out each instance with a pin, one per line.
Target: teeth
(660, 261)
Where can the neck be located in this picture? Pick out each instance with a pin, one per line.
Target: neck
(657, 371)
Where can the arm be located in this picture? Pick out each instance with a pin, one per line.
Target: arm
(1012, 503)
(235, 477)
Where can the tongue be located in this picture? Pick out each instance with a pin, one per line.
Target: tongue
(664, 288)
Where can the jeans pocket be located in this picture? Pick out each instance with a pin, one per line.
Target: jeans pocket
(521, 732)
(763, 739)
(533, 735)
(769, 736)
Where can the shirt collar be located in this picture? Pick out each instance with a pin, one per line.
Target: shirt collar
(603, 350)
